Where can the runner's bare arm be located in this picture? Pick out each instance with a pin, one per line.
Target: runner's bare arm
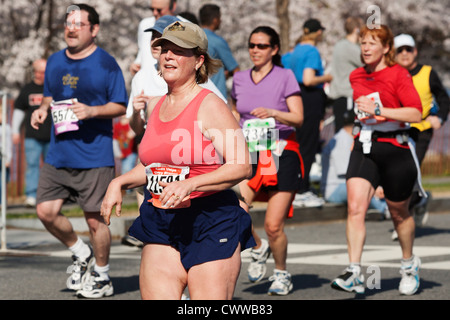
(113, 198)
(107, 111)
(141, 102)
(294, 117)
(406, 114)
(39, 115)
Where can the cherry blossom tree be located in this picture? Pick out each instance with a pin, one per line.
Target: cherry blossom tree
(32, 29)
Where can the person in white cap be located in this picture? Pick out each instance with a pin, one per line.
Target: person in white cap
(435, 108)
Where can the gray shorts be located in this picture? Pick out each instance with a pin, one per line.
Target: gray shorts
(87, 187)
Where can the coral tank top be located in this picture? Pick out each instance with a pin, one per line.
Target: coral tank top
(179, 142)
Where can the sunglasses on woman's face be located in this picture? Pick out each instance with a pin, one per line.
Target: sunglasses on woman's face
(407, 48)
(261, 46)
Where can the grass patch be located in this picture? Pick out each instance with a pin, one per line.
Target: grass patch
(440, 187)
(71, 212)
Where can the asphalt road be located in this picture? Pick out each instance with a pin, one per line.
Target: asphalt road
(33, 267)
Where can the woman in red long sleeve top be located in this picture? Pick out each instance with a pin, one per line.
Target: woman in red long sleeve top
(385, 103)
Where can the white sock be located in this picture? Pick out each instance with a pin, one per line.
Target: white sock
(355, 267)
(279, 271)
(259, 250)
(407, 263)
(102, 271)
(80, 249)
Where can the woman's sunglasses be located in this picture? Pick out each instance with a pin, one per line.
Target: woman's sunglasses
(261, 46)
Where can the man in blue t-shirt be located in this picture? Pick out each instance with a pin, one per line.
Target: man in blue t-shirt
(218, 48)
(306, 63)
(83, 90)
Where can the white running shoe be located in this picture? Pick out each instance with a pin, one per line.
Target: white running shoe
(96, 287)
(78, 270)
(281, 284)
(410, 278)
(349, 281)
(394, 235)
(257, 268)
(420, 211)
(308, 199)
(30, 202)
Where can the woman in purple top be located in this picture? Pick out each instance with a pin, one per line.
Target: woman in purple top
(266, 100)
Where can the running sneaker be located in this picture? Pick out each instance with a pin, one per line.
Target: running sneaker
(394, 235)
(308, 199)
(410, 278)
(132, 241)
(349, 281)
(387, 213)
(79, 270)
(30, 202)
(257, 268)
(420, 212)
(96, 287)
(281, 284)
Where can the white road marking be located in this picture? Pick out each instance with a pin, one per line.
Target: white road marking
(315, 254)
(383, 256)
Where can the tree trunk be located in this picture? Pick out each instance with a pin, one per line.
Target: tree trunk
(284, 23)
(51, 30)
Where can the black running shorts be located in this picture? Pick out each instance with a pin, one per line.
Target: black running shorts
(386, 165)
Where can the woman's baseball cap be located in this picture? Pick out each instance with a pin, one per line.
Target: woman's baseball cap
(185, 35)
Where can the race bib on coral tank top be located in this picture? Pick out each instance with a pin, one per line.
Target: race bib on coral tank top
(158, 172)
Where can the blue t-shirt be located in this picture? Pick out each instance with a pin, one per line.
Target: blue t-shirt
(306, 56)
(218, 49)
(94, 80)
(286, 60)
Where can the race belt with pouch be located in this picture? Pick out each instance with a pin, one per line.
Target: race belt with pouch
(158, 172)
(366, 136)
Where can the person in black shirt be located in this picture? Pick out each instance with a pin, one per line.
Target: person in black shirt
(36, 142)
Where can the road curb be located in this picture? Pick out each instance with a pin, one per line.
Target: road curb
(119, 225)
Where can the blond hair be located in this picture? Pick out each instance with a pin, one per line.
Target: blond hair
(209, 67)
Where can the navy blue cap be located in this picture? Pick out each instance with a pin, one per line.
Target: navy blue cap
(313, 25)
(162, 23)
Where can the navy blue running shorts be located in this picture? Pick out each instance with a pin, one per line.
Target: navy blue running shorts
(210, 229)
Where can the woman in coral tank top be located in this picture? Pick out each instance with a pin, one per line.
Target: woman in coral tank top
(192, 152)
